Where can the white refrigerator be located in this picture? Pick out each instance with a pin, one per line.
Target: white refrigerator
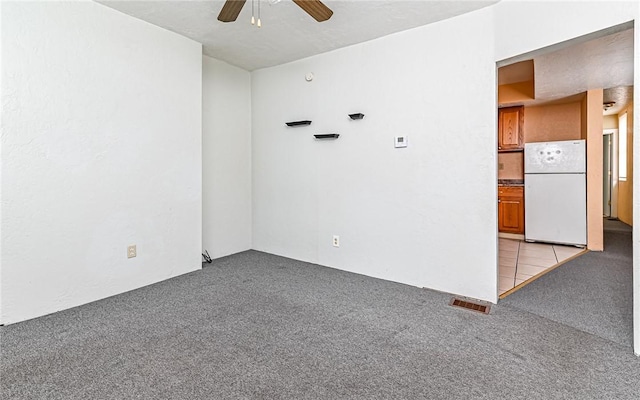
(555, 193)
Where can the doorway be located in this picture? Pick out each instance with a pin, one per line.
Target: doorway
(615, 265)
(560, 110)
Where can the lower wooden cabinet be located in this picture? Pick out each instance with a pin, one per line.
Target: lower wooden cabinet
(511, 209)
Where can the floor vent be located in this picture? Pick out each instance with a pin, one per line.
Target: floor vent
(470, 305)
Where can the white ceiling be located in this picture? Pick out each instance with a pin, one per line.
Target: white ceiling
(287, 32)
(599, 60)
(603, 60)
(606, 62)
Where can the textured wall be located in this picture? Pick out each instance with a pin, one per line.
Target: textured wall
(101, 148)
(552, 122)
(512, 165)
(226, 158)
(610, 122)
(595, 235)
(401, 214)
(625, 188)
(636, 191)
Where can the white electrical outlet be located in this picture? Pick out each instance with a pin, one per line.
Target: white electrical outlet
(336, 241)
(131, 251)
(401, 141)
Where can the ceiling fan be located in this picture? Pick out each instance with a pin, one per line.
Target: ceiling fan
(315, 8)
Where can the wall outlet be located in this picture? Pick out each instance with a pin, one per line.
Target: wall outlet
(131, 251)
(500, 165)
(336, 241)
(401, 141)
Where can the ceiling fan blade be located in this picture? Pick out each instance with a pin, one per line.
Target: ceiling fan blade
(315, 8)
(231, 10)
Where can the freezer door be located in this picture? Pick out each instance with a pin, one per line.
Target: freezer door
(567, 156)
(556, 208)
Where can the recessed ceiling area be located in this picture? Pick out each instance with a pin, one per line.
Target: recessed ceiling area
(605, 61)
(621, 96)
(287, 32)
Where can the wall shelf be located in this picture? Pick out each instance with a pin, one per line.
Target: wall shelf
(298, 123)
(356, 116)
(327, 135)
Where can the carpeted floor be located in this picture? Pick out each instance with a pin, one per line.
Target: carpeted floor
(593, 293)
(258, 326)
(615, 225)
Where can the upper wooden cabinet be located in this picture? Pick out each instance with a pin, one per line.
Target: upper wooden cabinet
(510, 128)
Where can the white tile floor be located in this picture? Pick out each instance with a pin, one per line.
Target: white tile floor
(521, 261)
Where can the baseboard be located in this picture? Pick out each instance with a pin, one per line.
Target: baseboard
(510, 236)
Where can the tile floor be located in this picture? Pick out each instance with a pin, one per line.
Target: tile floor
(520, 261)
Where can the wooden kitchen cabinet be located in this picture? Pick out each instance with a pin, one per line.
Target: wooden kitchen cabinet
(511, 128)
(511, 209)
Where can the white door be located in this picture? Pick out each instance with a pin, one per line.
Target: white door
(556, 208)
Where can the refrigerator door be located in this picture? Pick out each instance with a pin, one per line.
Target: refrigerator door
(567, 156)
(556, 208)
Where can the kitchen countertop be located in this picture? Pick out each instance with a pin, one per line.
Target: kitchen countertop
(510, 182)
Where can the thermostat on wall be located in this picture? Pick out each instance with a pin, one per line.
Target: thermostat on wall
(401, 141)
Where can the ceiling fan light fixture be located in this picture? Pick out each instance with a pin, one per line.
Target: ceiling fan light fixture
(231, 10)
(607, 105)
(315, 8)
(253, 14)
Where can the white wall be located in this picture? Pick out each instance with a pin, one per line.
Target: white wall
(424, 215)
(524, 26)
(1, 135)
(101, 148)
(636, 190)
(226, 158)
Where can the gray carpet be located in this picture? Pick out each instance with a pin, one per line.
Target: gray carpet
(257, 326)
(615, 225)
(593, 293)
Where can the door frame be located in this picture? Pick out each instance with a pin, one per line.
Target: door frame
(613, 165)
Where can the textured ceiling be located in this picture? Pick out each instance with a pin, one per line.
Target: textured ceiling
(603, 62)
(606, 62)
(287, 32)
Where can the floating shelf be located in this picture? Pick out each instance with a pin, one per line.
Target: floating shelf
(356, 116)
(327, 136)
(298, 123)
